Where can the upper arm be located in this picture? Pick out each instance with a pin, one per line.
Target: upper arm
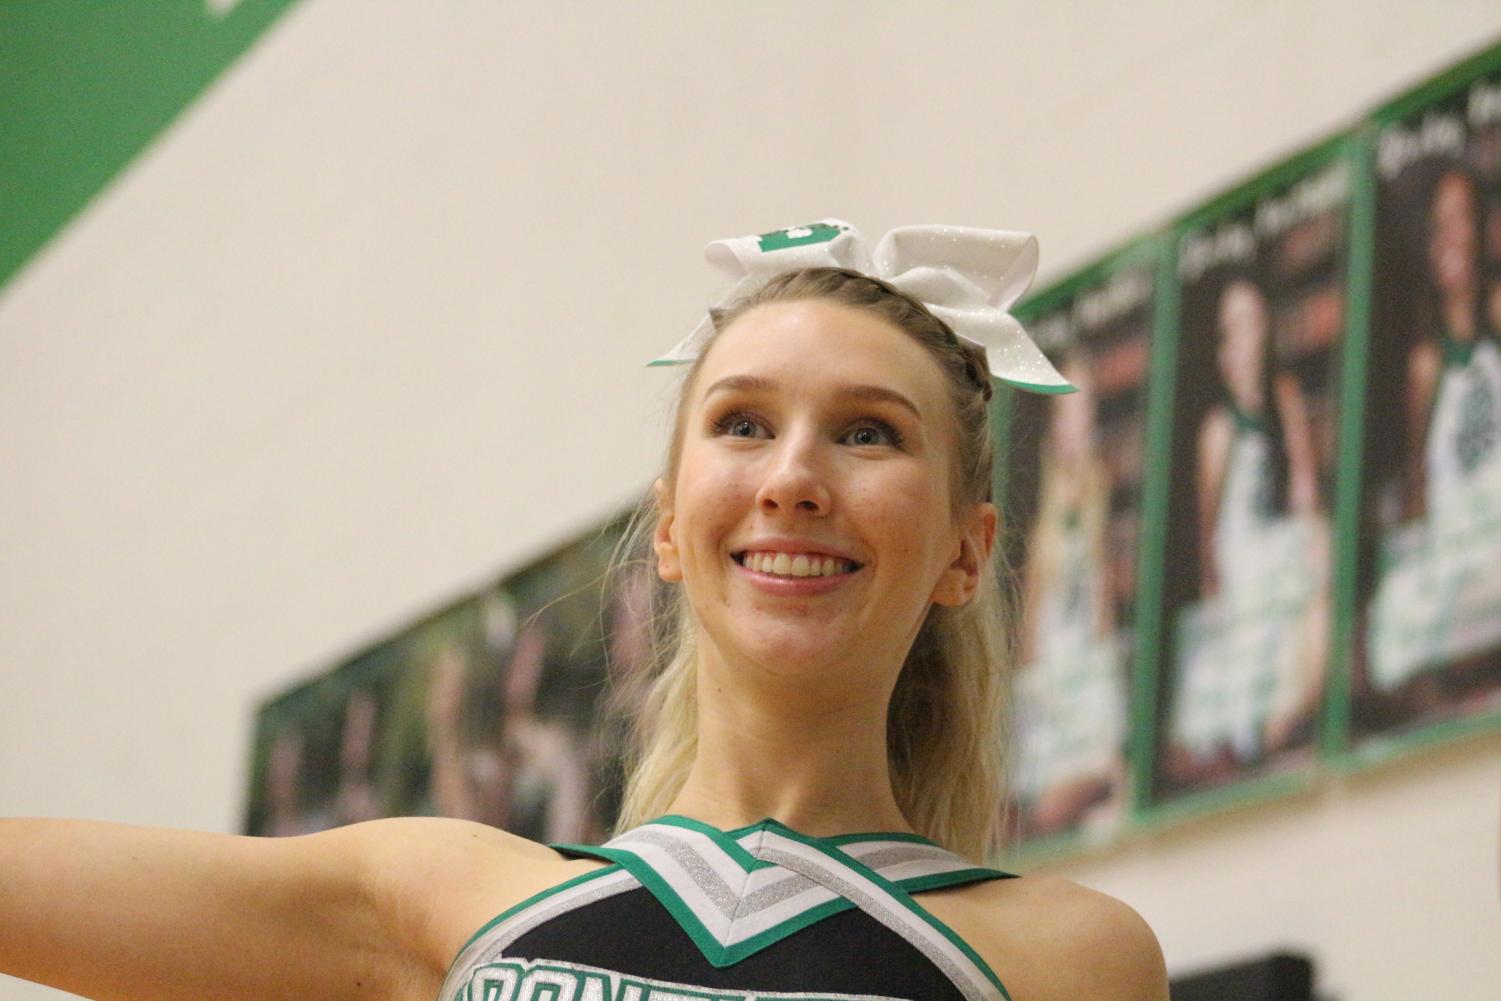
(1110, 954)
(1298, 439)
(114, 911)
(1049, 939)
(371, 911)
(1423, 365)
(1212, 450)
(434, 881)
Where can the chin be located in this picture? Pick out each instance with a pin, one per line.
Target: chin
(790, 649)
(793, 647)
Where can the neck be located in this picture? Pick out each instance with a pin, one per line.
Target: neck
(1249, 399)
(771, 747)
(1459, 317)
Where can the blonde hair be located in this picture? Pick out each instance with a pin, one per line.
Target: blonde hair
(946, 720)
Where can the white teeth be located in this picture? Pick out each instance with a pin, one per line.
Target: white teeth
(799, 565)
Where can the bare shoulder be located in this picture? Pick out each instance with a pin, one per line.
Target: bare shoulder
(1049, 939)
(438, 880)
(1424, 363)
(1215, 431)
(447, 839)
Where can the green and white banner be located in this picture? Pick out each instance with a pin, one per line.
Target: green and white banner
(1244, 572)
(88, 85)
(1428, 637)
(1072, 468)
(1265, 531)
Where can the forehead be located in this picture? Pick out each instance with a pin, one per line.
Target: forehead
(812, 344)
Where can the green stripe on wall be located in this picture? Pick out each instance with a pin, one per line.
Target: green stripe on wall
(88, 84)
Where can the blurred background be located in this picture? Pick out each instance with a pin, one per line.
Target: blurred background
(323, 322)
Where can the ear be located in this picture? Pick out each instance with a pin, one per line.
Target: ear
(961, 578)
(669, 565)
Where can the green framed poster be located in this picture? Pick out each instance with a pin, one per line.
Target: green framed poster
(563, 774)
(1240, 576)
(1071, 491)
(318, 759)
(1426, 658)
(489, 710)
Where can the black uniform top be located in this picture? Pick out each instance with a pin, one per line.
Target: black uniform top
(762, 913)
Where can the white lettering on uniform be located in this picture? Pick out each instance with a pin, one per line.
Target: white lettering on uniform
(522, 980)
(565, 985)
(494, 983)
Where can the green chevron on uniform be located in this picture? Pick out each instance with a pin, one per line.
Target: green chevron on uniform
(735, 893)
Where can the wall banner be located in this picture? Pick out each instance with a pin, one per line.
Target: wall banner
(1072, 469)
(88, 86)
(491, 711)
(1427, 637)
(1247, 433)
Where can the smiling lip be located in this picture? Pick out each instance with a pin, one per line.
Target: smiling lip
(783, 584)
(793, 587)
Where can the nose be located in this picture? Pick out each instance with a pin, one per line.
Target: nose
(794, 481)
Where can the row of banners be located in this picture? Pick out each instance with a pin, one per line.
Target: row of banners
(1263, 540)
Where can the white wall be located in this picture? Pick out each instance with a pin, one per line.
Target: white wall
(365, 328)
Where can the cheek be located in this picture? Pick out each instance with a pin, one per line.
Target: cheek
(710, 501)
(902, 515)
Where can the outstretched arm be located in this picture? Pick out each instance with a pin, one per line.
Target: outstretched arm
(115, 912)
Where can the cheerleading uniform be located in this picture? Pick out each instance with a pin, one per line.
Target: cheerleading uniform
(1066, 614)
(1464, 426)
(763, 913)
(1239, 652)
(1245, 508)
(1440, 581)
(1070, 700)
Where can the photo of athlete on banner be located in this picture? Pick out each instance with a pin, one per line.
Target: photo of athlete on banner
(489, 710)
(1247, 568)
(1429, 649)
(1073, 475)
(318, 761)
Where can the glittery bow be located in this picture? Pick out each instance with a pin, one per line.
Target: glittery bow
(967, 277)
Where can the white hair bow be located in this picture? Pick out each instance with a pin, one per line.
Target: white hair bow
(967, 277)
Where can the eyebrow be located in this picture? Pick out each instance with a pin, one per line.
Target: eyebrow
(867, 393)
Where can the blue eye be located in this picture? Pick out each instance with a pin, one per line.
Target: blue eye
(873, 432)
(738, 425)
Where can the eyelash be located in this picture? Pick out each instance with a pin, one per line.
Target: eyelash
(722, 426)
